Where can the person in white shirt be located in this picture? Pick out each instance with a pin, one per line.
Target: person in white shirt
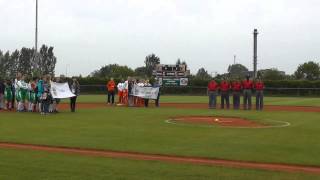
(22, 88)
(120, 88)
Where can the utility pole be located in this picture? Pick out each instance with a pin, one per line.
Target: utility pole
(255, 52)
(234, 59)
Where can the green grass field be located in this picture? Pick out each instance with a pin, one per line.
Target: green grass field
(145, 130)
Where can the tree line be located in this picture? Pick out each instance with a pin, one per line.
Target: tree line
(307, 71)
(119, 72)
(27, 62)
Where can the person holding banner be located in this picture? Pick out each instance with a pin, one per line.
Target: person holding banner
(146, 101)
(157, 85)
(120, 88)
(130, 93)
(75, 89)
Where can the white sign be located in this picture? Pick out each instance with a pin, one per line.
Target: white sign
(145, 92)
(61, 90)
(183, 81)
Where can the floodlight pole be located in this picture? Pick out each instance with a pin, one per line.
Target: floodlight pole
(255, 52)
(36, 33)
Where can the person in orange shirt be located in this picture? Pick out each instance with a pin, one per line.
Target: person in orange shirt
(111, 90)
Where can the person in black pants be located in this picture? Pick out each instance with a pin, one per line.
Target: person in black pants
(130, 93)
(146, 101)
(111, 91)
(75, 89)
(2, 89)
(225, 88)
(157, 85)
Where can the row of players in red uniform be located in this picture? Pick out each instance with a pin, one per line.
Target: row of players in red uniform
(245, 87)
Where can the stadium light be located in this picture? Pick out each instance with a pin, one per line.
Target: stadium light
(36, 32)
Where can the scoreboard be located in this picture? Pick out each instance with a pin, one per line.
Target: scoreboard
(172, 75)
(171, 71)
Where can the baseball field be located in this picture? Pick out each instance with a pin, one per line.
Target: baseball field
(104, 142)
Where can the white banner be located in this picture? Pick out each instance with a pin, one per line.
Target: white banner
(60, 90)
(145, 92)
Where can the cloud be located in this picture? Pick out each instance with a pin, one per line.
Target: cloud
(206, 33)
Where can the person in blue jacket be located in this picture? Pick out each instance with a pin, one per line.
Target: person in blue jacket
(39, 94)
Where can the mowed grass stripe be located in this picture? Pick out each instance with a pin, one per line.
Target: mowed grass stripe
(145, 130)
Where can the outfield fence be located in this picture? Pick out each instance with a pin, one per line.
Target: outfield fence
(197, 90)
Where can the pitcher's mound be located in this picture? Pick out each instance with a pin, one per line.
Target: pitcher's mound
(217, 121)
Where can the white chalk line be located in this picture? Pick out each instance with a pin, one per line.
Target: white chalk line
(282, 125)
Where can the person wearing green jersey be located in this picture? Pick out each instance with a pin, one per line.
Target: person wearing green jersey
(22, 88)
(8, 95)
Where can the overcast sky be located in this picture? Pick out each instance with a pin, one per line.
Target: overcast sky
(88, 34)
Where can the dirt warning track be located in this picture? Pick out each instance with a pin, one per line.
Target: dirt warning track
(165, 158)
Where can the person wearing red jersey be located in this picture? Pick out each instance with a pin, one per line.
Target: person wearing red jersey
(225, 87)
(212, 93)
(236, 88)
(247, 93)
(259, 87)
